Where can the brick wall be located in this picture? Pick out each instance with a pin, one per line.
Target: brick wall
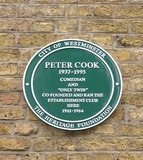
(28, 25)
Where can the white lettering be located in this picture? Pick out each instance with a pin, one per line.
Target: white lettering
(39, 111)
(58, 123)
(95, 120)
(69, 65)
(57, 45)
(58, 64)
(72, 84)
(44, 52)
(86, 65)
(87, 46)
(72, 79)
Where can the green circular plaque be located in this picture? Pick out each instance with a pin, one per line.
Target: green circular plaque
(72, 84)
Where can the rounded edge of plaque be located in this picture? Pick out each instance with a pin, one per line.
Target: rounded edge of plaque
(27, 84)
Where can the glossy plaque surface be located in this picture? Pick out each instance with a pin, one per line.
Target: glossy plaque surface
(72, 84)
